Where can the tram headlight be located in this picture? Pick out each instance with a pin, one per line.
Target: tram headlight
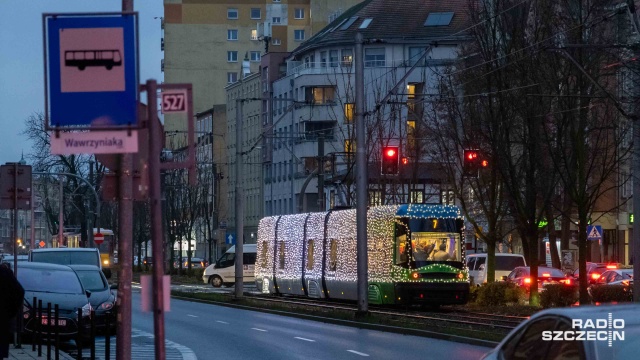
(415, 275)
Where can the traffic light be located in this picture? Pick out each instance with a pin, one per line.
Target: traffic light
(471, 163)
(390, 160)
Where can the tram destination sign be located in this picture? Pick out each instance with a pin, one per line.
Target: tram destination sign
(91, 70)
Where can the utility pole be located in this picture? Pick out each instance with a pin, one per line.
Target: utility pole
(361, 184)
(239, 202)
(321, 203)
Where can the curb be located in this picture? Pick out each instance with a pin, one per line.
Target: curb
(351, 323)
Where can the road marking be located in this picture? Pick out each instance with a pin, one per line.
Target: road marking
(301, 338)
(258, 329)
(357, 352)
(191, 315)
(221, 322)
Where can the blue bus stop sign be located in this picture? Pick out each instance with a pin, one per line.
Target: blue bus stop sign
(91, 66)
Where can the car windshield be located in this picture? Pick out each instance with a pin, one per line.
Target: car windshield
(47, 280)
(628, 274)
(92, 280)
(66, 257)
(508, 263)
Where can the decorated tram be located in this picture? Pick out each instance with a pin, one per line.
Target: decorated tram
(415, 255)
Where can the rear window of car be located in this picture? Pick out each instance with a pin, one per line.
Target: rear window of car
(508, 263)
(67, 257)
(92, 280)
(46, 280)
(551, 272)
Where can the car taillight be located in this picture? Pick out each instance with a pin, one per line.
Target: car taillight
(527, 280)
(566, 281)
(546, 275)
(595, 276)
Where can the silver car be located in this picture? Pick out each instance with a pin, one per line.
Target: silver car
(583, 332)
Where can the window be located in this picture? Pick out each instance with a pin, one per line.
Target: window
(310, 255)
(347, 57)
(411, 135)
(232, 34)
(255, 13)
(275, 20)
(333, 58)
(417, 196)
(365, 23)
(232, 77)
(275, 42)
(255, 56)
(349, 146)
(320, 95)
(375, 197)
(374, 57)
(276, 0)
(232, 56)
(298, 14)
(349, 111)
(349, 23)
(254, 34)
(323, 59)
(281, 255)
(530, 345)
(298, 35)
(415, 53)
(232, 13)
(333, 255)
(439, 19)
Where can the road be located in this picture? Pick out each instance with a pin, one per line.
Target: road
(216, 332)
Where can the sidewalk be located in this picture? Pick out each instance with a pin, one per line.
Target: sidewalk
(25, 353)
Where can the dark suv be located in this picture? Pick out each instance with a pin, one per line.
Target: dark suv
(594, 270)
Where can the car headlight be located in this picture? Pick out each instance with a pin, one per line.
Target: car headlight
(86, 310)
(107, 305)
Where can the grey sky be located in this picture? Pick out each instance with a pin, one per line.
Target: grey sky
(21, 58)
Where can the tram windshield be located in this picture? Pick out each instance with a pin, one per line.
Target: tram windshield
(421, 242)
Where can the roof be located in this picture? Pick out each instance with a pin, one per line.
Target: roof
(84, 267)
(423, 210)
(42, 265)
(64, 249)
(394, 21)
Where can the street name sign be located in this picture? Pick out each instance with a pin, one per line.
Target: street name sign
(91, 70)
(94, 142)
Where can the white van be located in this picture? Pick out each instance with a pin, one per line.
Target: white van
(223, 272)
(505, 263)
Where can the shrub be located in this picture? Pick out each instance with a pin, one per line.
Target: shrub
(609, 293)
(558, 295)
(498, 293)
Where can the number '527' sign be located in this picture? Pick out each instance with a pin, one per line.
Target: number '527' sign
(174, 101)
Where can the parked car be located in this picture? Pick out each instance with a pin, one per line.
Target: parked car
(521, 276)
(504, 264)
(594, 270)
(69, 256)
(536, 338)
(55, 284)
(102, 299)
(196, 263)
(8, 259)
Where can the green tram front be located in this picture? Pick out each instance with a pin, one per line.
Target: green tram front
(428, 256)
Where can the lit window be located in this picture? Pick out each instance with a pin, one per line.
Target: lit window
(232, 34)
(298, 35)
(281, 255)
(299, 14)
(411, 135)
(349, 110)
(320, 95)
(232, 77)
(417, 196)
(232, 13)
(232, 56)
(255, 56)
(255, 13)
(310, 255)
(347, 58)
(276, 20)
(375, 197)
(254, 34)
(349, 146)
(333, 255)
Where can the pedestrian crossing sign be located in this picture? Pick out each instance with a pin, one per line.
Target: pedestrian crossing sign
(594, 232)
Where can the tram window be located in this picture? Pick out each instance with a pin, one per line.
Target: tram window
(471, 262)
(310, 255)
(263, 255)
(333, 255)
(479, 262)
(281, 253)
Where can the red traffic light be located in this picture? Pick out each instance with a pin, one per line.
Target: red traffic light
(471, 154)
(390, 152)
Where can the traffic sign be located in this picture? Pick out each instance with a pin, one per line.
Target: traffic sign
(594, 232)
(230, 238)
(94, 142)
(174, 101)
(91, 70)
(98, 238)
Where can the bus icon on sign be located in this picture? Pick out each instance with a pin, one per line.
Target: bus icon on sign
(83, 58)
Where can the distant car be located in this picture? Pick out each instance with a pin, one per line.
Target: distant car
(102, 299)
(594, 270)
(521, 276)
(622, 277)
(9, 259)
(69, 256)
(196, 263)
(147, 261)
(55, 284)
(550, 334)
